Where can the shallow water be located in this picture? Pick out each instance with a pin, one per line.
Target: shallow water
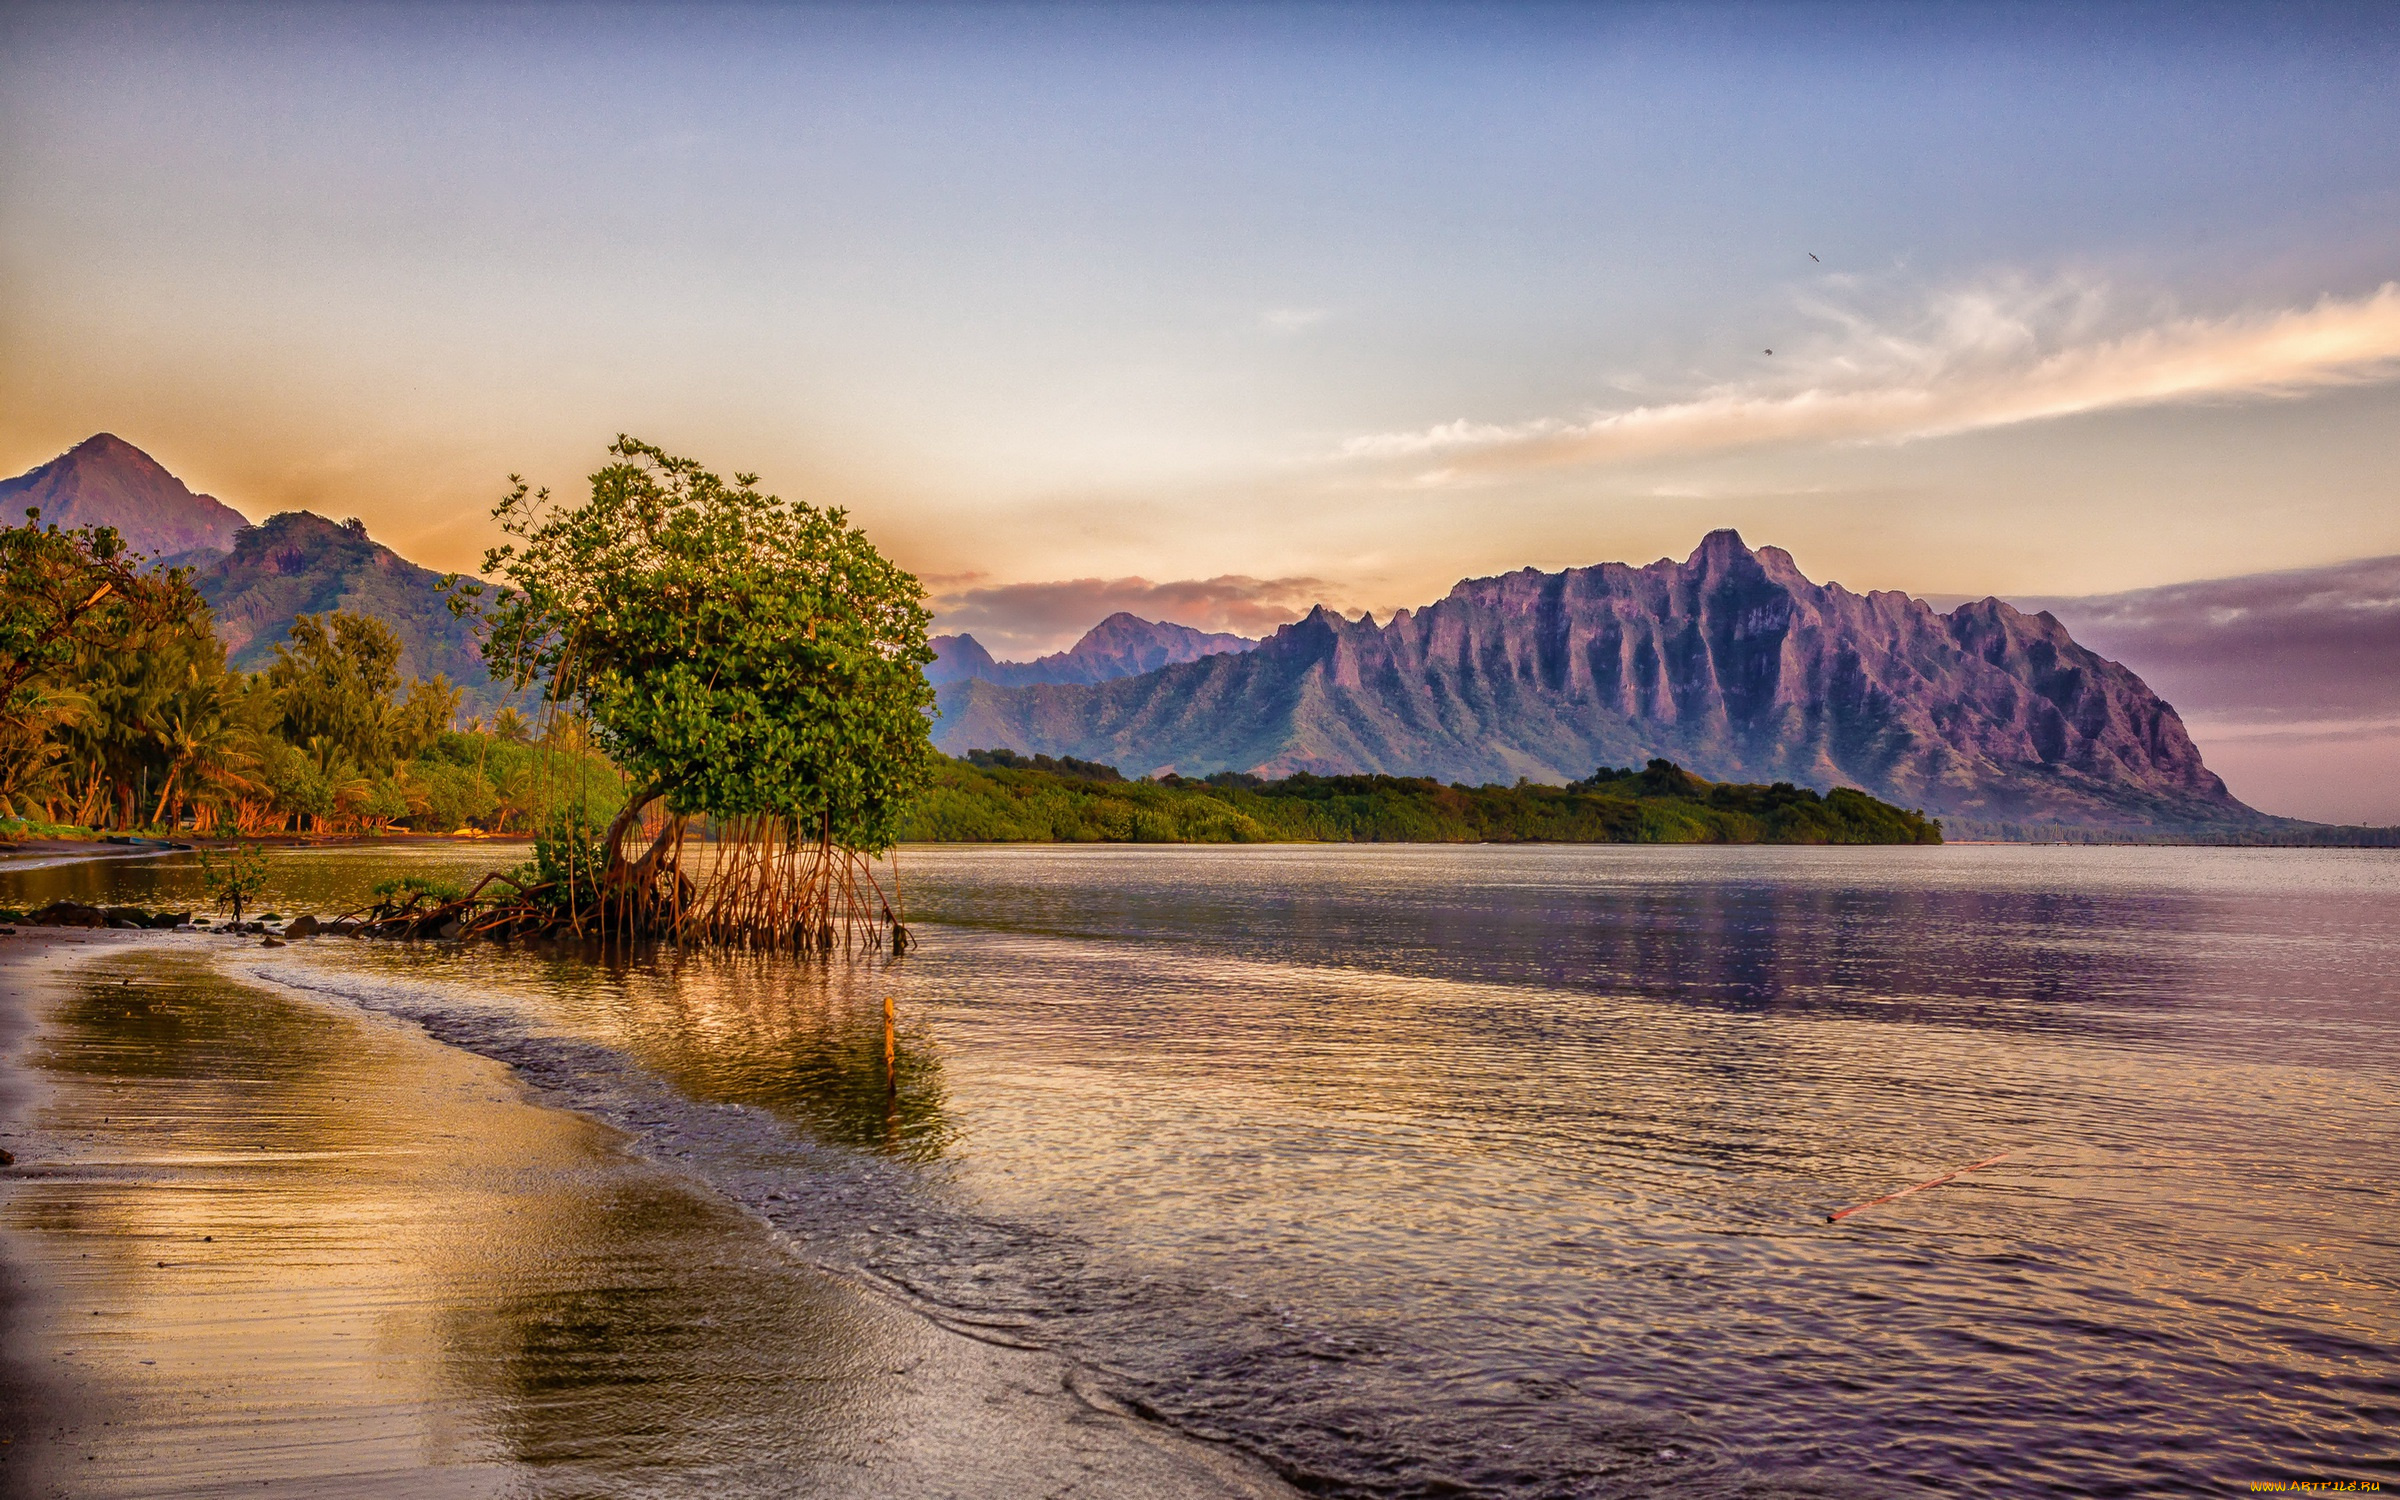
(287, 1250)
(1507, 1171)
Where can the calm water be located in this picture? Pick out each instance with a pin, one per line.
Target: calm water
(1434, 1171)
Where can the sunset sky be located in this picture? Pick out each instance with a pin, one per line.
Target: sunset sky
(1241, 308)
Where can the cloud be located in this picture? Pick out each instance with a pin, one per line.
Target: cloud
(1293, 319)
(2315, 651)
(1991, 357)
(1018, 621)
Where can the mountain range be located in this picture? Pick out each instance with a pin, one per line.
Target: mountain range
(1122, 645)
(1731, 663)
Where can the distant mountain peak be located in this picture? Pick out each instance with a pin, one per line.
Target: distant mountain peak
(1123, 645)
(107, 481)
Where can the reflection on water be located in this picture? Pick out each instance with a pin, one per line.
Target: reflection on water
(806, 1041)
(298, 1254)
(1506, 1171)
(325, 881)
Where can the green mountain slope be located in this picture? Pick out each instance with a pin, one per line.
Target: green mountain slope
(300, 564)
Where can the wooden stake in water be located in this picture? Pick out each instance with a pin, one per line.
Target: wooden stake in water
(891, 1048)
(1920, 1187)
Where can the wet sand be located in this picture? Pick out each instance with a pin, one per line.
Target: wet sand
(255, 1245)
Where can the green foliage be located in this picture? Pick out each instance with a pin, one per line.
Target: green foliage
(1065, 765)
(1017, 801)
(567, 860)
(66, 594)
(138, 722)
(399, 890)
(73, 603)
(417, 722)
(301, 564)
(334, 681)
(739, 653)
(232, 877)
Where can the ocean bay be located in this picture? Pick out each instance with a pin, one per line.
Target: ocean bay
(1509, 1169)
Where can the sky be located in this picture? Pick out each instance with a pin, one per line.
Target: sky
(1219, 311)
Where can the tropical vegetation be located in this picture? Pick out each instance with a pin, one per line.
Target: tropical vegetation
(746, 660)
(1001, 797)
(121, 714)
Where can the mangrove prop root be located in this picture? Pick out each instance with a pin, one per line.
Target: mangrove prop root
(776, 884)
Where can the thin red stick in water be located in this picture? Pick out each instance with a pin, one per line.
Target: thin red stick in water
(1920, 1187)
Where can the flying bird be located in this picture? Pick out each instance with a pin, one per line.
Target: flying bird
(1770, 351)
(1812, 255)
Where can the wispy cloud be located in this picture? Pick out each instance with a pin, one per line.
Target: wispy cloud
(1021, 620)
(1992, 357)
(2304, 651)
(1293, 319)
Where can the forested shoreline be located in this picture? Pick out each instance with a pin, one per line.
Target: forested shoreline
(121, 715)
(124, 717)
(1002, 797)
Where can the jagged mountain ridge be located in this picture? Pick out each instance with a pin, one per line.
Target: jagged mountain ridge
(1731, 662)
(106, 481)
(1123, 645)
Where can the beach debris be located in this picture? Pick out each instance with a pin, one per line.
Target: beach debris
(1836, 1218)
(8, 1159)
(301, 926)
(273, 942)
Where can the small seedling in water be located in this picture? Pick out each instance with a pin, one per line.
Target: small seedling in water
(234, 879)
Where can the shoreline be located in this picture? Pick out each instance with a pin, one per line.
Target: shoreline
(262, 1245)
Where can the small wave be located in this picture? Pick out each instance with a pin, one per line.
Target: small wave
(1210, 1360)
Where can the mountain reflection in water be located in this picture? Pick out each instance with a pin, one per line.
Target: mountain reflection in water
(1506, 1170)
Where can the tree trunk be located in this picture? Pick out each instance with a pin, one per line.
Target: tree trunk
(625, 819)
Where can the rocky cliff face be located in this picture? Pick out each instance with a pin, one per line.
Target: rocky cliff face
(106, 481)
(1731, 663)
(1122, 645)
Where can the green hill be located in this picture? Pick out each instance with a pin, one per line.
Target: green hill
(302, 564)
(1002, 797)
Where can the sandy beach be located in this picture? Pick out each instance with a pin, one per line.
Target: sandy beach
(257, 1245)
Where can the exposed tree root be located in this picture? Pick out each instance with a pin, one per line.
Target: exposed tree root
(771, 886)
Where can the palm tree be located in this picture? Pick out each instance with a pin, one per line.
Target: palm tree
(30, 751)
(513, 791)
(201, 743)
